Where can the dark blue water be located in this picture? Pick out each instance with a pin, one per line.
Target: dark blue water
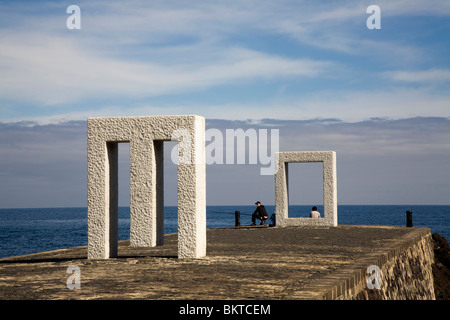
(24, 231)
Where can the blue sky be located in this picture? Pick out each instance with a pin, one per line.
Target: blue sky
(236, 60)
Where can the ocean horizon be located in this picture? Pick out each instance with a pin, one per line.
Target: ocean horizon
(31, 230)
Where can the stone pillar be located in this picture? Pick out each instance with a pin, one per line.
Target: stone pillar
(146, 136)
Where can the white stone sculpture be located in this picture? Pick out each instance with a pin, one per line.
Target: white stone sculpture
(146, 136)
(329, 188)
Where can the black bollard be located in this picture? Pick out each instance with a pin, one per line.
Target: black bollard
(237, 219)
(409, 222)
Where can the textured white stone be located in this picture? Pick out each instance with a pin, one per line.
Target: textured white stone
(146, 136)
(329, 188)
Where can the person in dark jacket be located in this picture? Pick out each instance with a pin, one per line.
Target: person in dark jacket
(260, 213)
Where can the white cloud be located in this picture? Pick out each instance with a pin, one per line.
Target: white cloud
(414, 8)
(424, 76)
(347, 106)
(394, 104)
(56, 70)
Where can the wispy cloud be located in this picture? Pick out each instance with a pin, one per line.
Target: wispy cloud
(54, 72)
(423, 76)
(345, 105)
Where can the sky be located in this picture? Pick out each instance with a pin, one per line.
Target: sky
(313, 70)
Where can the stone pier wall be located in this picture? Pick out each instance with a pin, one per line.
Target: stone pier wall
(406, 273)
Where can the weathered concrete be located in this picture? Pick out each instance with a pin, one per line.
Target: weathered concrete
(146, 136)
(406, 273)
(242, 263)
(329, 187)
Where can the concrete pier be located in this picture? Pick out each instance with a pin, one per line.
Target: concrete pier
(241, 263)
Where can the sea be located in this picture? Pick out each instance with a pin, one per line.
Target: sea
(25, 231)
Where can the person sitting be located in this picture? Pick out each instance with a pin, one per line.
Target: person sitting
(260, 213)
(314, 213)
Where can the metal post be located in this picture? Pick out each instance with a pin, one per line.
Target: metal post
(237, 218)
(409, 222)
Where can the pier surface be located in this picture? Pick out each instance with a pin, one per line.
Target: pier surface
(241, 263)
